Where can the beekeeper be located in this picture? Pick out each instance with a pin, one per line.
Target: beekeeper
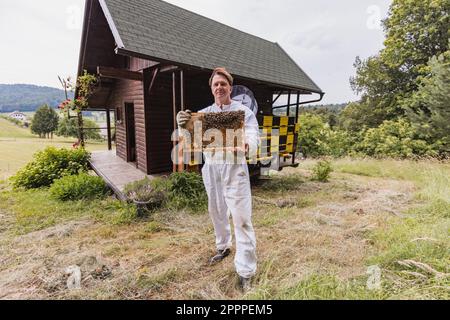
(228, 184)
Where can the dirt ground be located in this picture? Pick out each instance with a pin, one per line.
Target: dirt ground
(312, 228)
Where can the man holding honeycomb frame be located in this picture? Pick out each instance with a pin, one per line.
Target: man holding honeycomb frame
(228, 184)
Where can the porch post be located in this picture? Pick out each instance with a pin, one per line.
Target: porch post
(180, 145)
(296, 121)
(289, 104)
(298, 106)
(108, 128)
(174, 110)
(182, 89)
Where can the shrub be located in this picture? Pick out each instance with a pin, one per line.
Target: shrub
(311, 133)
(335, 143)
(145, 194)
(393, 138)
(49, 165)
(396, 139)
(78, 187)
(155, 184)
(316, 138)
(186, 191)
(322, 170)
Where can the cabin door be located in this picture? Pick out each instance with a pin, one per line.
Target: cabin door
(131, 132)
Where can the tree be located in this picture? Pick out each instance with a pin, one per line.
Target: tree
(380, 87)
(358, 115)
(327, 113)
(416, 30)
(430, 108)
(44, 122)
(69, 128)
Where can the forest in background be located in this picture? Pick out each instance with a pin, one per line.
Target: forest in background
(28, 97)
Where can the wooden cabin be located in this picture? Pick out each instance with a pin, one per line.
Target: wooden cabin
(154, 59)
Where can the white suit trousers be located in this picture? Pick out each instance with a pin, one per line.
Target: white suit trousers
(228, 189)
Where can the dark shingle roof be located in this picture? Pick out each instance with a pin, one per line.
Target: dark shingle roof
(161, 30)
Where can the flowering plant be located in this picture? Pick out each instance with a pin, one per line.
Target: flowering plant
(85, 85)
(76, 105)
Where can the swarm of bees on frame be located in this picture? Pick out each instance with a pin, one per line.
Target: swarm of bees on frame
(222, 121)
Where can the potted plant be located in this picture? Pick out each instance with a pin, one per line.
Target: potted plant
(144, 196)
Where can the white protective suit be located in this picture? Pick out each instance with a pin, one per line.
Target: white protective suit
(228, 189)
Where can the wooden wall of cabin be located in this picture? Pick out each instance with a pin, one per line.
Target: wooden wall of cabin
(128, 91)
(159, 119)
(197, 91)
(98, 50)
(159, 112)
(159, 109)
(138, 64)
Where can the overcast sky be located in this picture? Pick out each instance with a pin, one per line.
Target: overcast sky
(41, 39)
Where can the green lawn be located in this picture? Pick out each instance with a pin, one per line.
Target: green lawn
(17, 146)
(390, 215)
(315, 240)
(9, 130)
(410, 246)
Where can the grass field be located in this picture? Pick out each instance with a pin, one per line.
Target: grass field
(18, 145)
(379, 229)
(9, 130)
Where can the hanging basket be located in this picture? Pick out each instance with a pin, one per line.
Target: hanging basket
(142, 207)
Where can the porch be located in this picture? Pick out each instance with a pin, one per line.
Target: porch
(116, 172)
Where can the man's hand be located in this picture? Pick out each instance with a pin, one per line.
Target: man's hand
(183, 118)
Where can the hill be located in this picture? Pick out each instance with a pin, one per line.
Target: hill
(331, 107)
(27, 97)
(320, 108)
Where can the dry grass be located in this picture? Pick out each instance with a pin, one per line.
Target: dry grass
(305, 230)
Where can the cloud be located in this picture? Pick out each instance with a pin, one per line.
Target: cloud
(40, 39)
(315, 36)
(37, 42)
